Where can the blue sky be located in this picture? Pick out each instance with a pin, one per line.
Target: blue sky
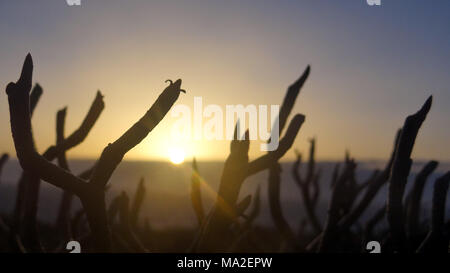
(371, 66)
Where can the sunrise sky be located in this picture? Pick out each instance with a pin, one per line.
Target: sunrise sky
(371, 67)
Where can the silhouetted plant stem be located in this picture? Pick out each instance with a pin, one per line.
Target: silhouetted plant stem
(415, 198)
(63, 223)
(285, 110)
(311, 180)
(436, 240)
(263, 162)
(19, 205)
(246, 228)
(374, 186)
(114, 152)
(113, 209)
(63, 218)
(91, 194)
(331, 231)
(196, 197)
(290, 98)
(275, 207)
(274, 170)
(215, 234)
(243, 205)
(4, 229)
(123, 236)
(137, 203)
(254, 212)
(125, 225)
(399, 175)
(3, 160)
(335, 175)
(31, 239)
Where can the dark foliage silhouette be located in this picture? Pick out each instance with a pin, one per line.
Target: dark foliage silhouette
(91, 192)
(218, 228)
(230, 223)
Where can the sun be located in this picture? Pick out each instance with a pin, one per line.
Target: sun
(176, 155)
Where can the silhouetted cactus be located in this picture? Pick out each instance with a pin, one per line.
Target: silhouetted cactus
(337, 202)
(3, 160)
(125, 225)
(245, 230)
(437, 241)
(4, 228)
(215, 234)
(399, 176)
(309, 186)
(19, 206)
(288, 235)
(229, 225)
(30, 234)
(196, 197)
(63, 224)
(379, 215)
(414, 202)
(243, 205)
(375, 182)
(90, 193)
(275, 169)
(136, 206)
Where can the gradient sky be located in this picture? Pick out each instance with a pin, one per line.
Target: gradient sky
(371, 67)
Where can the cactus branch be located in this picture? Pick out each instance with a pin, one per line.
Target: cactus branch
(290, 98)
(285, 144)
(275, 207)
(436, 240)
(399, 175)
(91, 194)
(413, 208)
(137, 203)
(312, 181)
(113, 154)
(196, 197)
(3, 160)
(338, 199)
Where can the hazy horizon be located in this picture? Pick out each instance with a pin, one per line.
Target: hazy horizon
(168, 199)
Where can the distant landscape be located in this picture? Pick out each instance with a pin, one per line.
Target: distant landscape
(168, 204)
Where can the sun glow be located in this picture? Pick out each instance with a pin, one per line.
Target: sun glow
(176, 155)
